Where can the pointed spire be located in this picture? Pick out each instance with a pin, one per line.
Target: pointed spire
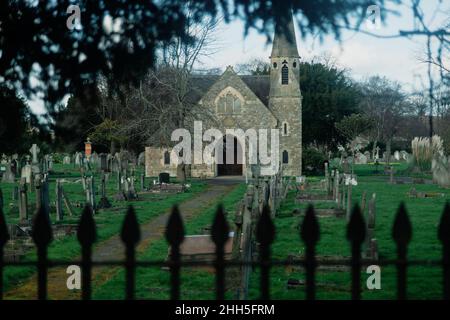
(284, 42)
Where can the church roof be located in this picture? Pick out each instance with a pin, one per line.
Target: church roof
(259, 84)
(284, 41)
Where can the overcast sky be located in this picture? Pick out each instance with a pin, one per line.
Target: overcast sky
(363, 54)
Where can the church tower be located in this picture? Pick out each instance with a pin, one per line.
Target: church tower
(285, 99)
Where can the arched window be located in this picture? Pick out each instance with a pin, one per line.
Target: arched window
(285, 75)
(166, 158)
(285, 157)
(294, 64)
(274, 65)
(229, 104)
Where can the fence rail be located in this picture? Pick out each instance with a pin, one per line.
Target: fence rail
(265, 235)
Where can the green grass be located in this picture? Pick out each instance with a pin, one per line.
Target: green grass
(423, 282)
(108, 221)
(154, 283)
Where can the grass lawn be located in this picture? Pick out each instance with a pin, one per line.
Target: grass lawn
(109, 221)
(423, 282)
(154, 283)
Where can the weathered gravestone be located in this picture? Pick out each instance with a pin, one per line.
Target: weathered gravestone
(66, 160)
(104, 162)
(59, 201)
(141, 159)
(94, 159)
(104, 202)
(26, 173)
(34, 158)
(8, 174)
(23, 201)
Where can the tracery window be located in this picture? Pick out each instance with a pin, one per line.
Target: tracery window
(229, 104)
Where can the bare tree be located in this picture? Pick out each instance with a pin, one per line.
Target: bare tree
(385, 103)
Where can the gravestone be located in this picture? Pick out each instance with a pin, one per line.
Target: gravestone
(45, 194)
(104, 162)
(104, 202)
(367, 154)
(93, 191)
(360, 158)
(59, 201)
(26, 173)
(94, 159)
(115, 163)
(397, 156)
(34, 150)
(141, 159)
(142, 182)
(164, 177)
(66, 160)
(8, 175)
(78, 159)
(38, 190)
(23, 201)
(130, 189)
(404, 155)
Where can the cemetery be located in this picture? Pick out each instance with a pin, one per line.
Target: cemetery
(149, 151)
(64, 188)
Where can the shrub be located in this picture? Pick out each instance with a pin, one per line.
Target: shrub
(313, 161)
(424, 151)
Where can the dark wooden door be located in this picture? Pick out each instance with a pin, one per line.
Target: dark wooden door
(230, 169)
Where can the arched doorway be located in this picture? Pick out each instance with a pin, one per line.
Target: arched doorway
(231, 145)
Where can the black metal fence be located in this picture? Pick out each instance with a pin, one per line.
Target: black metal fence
(265, 234)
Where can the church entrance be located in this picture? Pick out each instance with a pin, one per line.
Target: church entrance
(230, 146)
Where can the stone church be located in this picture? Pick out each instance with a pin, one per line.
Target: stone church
(249, 102)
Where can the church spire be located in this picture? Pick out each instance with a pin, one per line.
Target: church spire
(284, 42)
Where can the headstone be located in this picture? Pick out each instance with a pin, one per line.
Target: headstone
(78, 159)
(59, 201)
(93, 191)
(104, 202)
(131, 191)
(377, 153)
(367, 154)
(34, 150)
(66, 160)
(104, 162)
(45, 195)
(38, 190)
(397, 155)
(115, 163)
(164, 177)
(23, 201)
(360, 158)
(8, 175)
(142, 182)
(404, 155)
(94, 159)
(181, 173)
(26, 173)
(141, 159)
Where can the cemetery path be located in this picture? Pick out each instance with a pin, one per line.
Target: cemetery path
(112, 248)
